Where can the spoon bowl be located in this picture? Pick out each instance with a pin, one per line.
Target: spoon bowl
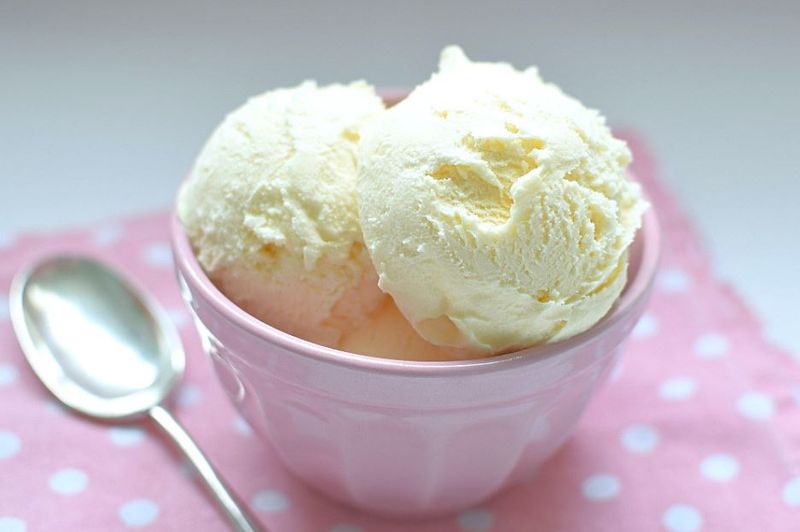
(99, 345)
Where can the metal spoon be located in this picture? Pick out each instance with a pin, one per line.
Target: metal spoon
(107, 351)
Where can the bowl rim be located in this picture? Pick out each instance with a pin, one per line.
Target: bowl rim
(635, 290)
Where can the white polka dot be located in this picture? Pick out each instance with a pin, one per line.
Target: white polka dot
(270, 501)
(677, 389)
(345, 527)
(158, 255)
(69, 481)
(12, 524)
(640, 439)
(10, 444)
(241, 426)
(791, 493)
(682, 518)
(719, 467)
(126, 436)
(476, 520)
(8, 374)
(178, 316)
(646, 327)
(138, 513)
(711, 345)
(107, 235)
(3, 307)
(755, 405)
(673, 280)
(188, 395)
(600, 487)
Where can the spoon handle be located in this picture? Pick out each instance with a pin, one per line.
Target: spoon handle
(233, 509)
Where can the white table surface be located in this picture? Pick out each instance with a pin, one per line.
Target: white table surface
(103, 105)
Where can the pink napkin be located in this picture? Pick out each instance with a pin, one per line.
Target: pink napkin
(698, 429)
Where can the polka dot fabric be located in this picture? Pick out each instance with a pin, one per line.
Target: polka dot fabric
(697, 429)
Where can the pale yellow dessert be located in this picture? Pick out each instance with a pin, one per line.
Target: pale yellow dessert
(496, 209)
(271, 211)
(387, 333)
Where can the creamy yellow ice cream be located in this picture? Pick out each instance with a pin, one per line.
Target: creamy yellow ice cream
(271, 210)
(496, 209)
(387, 333)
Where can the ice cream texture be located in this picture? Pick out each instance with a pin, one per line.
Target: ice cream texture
(271, 209)
(496, 209)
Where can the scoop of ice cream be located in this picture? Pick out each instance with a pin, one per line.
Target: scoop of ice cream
(496, 208)
(386, 333)
(271, 210)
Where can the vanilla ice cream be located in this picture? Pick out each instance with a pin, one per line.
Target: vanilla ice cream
(271, 210)
(496, 209)
(386, 333)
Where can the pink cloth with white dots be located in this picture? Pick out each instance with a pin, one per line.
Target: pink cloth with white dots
(698, 429)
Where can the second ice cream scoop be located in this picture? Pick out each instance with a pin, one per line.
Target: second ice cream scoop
(496, 208)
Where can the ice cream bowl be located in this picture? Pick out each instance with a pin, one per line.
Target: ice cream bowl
(405, 438)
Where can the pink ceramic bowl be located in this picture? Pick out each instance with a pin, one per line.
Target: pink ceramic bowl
(402, 438)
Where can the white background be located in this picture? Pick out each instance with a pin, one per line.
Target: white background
(103, 105)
